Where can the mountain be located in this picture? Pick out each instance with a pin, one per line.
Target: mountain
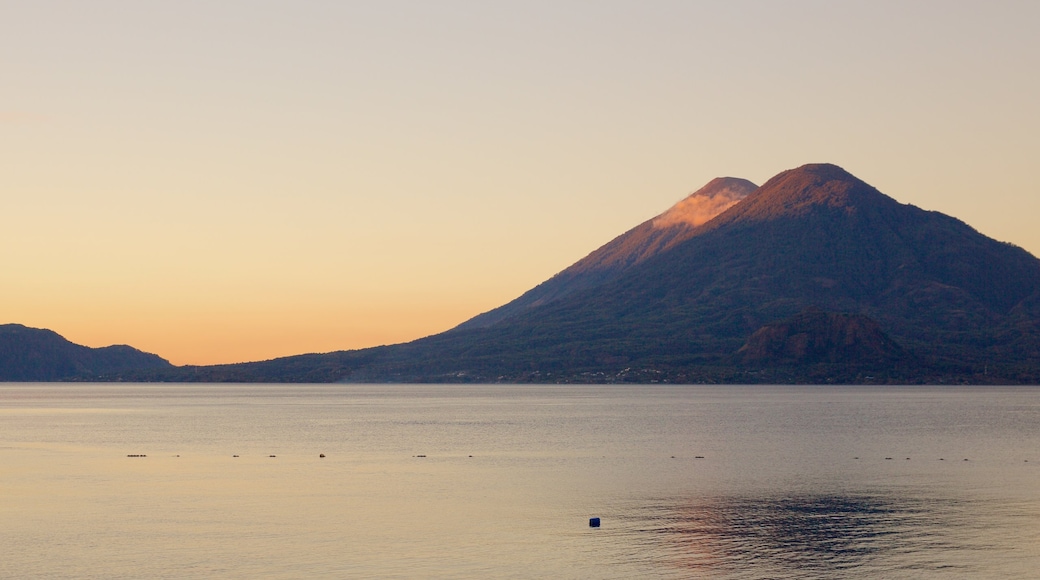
(33, 354)
(814, 277)
(635, 246)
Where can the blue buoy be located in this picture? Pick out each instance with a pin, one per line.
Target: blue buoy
(593, 522)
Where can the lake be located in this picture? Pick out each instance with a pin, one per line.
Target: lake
(499, 481)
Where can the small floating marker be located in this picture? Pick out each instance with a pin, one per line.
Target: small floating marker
(908, 459)
(469, 456)
(965, 458)
(593, 522)
(941, 459)
(321, 455)
(855, 457)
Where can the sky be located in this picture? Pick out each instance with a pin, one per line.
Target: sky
(224, 181)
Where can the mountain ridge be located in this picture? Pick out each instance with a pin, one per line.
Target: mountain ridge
(36, 354)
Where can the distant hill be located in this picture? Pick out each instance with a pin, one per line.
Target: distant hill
(814, 277)
(33, 354)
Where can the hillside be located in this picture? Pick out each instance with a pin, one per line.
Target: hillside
(33, 354)
(633, 247)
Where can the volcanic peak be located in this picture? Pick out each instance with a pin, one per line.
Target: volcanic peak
(805, 189)
(701, 206)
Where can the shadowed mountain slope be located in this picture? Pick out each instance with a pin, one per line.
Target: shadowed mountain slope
(32, 354)
(625, 251)
(814, 336)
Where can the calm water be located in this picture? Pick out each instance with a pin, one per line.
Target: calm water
(690, 482)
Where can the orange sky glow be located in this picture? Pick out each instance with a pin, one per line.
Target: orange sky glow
(232, 181)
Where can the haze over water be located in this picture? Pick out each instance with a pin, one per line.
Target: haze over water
(712, 482)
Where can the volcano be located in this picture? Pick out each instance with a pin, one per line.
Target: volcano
(814, 277)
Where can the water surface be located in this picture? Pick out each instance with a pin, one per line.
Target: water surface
(499, 481)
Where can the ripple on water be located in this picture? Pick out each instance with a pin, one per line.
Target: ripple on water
(818, 536)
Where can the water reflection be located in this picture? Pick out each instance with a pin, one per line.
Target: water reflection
(811, 536)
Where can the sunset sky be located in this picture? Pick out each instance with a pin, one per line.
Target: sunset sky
(221, 181)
